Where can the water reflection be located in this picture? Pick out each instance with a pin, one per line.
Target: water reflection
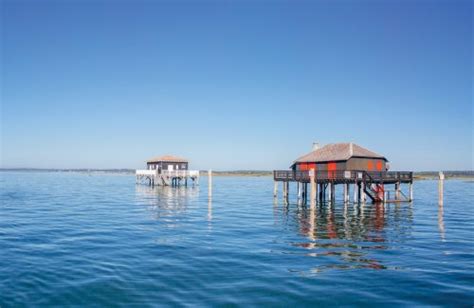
(347, 236)
(441, 221)
(209, 209)
(165, 201)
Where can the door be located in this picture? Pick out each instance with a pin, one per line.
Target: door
(170, 167)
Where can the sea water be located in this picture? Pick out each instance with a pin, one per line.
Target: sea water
(98, 239)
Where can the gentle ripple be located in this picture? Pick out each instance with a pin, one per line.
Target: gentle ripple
(75, 239)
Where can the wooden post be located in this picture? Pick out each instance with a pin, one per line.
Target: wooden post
(411, 191)
(397, 191)
(305, 192)
(330, 192)
(355, 192)
(333, 192)
(346, 192)
(362, 192)
(313, 188)
(321, 189)
(275, 189)
(298, 190)
(441, 188)
(359, 194)
(209, 178)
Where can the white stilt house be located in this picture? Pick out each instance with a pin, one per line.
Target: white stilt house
(167, 170)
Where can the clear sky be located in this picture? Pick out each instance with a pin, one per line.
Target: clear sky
(235, 84)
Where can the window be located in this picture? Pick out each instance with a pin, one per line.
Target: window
(370, 165)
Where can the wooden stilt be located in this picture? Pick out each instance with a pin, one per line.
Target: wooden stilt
(316, 190)
(410, 186)
(397, 191)
(355, 192)
(313, 189)
(275, 189)
(333, 192)
(346, 192)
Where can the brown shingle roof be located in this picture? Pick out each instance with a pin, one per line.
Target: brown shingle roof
(337, 152)
(167, 158)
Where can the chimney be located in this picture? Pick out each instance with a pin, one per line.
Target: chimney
(315, 146)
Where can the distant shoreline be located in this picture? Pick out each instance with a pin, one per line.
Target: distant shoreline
(420, 175)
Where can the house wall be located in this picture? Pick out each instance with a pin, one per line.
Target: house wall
(367, 164)
(164, 165)
(354, 163)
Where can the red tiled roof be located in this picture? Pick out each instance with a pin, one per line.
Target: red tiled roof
(167, 158)
(337, 152)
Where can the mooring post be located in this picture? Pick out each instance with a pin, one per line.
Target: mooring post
(441, 188)
(209, 176)
(410, 186)
(275, 189)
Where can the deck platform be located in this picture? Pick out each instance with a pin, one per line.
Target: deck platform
(167, 177)
(367, 184)
(340, 177)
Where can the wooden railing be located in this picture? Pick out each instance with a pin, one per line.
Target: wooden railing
(168, 173)
(342, 175)
(180, 173)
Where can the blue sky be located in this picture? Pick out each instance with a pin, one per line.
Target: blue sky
(235, 84)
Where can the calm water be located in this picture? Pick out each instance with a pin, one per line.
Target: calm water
(76, 239)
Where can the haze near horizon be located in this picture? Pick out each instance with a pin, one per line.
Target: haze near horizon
(235, 85)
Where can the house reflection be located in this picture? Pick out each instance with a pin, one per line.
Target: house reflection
(165, 201)
(349, 234)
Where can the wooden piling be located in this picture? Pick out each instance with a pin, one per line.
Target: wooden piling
(397, 191)
(313, 189)
(275, 189)
(333, 192)
(321, 189)
(410, 186)
(330, 192)
(441, 188)
(355, 192)
(346, 192)
(362, 192)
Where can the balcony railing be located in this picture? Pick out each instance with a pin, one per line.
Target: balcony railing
(342, 175)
